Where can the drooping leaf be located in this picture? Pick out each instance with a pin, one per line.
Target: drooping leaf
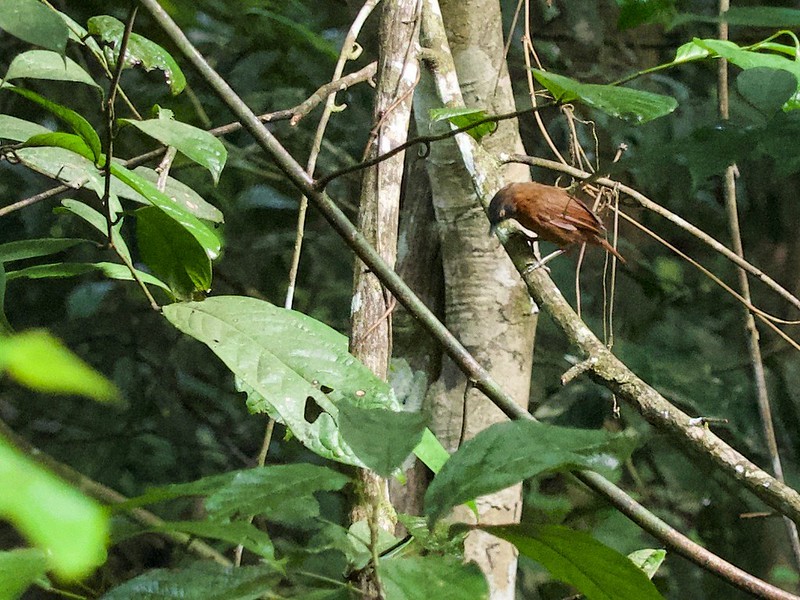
(60, 270)
(462, 117)
(35, 248)
(426, 577)
(298, 367)
(381, 438)
(506, 453)
(33, 22)
(140, 51)
(37, 360)
(200, 581)
(196, 144)
(172, 253)
(82, 128)
(632, 105)
(19, 569)
(576, 558)
(70, 528)
(44, 64)
(767, 90)
(185, 196)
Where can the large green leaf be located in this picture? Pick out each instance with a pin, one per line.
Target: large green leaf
(299, 368)
(44, 64)
(172, 253)
(507, 453)
(767, 90)
(37, 360)
(70, 528)
(635, 106)
(200, 581)
(431, 576)
(576, 558)
(140, 51)
(19, 569)
(33, 22)
(196, 144)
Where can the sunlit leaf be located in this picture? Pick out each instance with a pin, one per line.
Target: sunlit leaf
(185, 196)
(19, 569)
(196, 144)
(44, 64)
(299, 368)
(632, 105)
(70, 528)
(462, 117)
(37, 360)
(648, 560)
(140, 51)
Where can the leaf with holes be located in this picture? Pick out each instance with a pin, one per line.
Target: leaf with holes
(296, 365)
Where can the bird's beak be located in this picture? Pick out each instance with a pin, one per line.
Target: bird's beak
(492, 228)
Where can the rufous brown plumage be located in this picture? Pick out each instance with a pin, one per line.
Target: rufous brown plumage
(551, 213)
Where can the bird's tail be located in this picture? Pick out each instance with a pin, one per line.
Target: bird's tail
(604, 243)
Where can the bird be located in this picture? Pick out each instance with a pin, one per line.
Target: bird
(549, 214)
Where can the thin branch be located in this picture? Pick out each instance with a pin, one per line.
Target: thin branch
(753, 345)
(779, 495)
(645, 202)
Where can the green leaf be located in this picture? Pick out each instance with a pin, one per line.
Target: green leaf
(299, 368)
(463, 116)
(506, 453)
(283, 493)
(199, 230)
(19, 569)
(185, 196)
(19, 130)
(70, 528)
(44, 64)
(33, 22)
(382, 439)
(82, 128)
(37, 360)
(767, 90)
(235, 533)
(5, 326)
(172, 253)
(648, 560)
(431, 452)
(98, 221)
(34, 248)
(140, 51)
(196, 144)
(635, 106)
(200, 581)
(61, 270)
(431, 576)
(576, 558)
(638, 12)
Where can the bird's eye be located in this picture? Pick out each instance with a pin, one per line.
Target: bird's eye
(502, 213)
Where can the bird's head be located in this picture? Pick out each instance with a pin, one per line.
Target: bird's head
(501, 207)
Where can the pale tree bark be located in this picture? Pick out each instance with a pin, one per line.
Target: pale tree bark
(370, 339)
(486, 305)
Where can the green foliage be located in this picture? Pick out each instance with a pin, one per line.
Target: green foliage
(507, 453)
(462, 117)
(574, 557)
(32, 22)
(19, 569)
(420, 578)
(631, 105)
